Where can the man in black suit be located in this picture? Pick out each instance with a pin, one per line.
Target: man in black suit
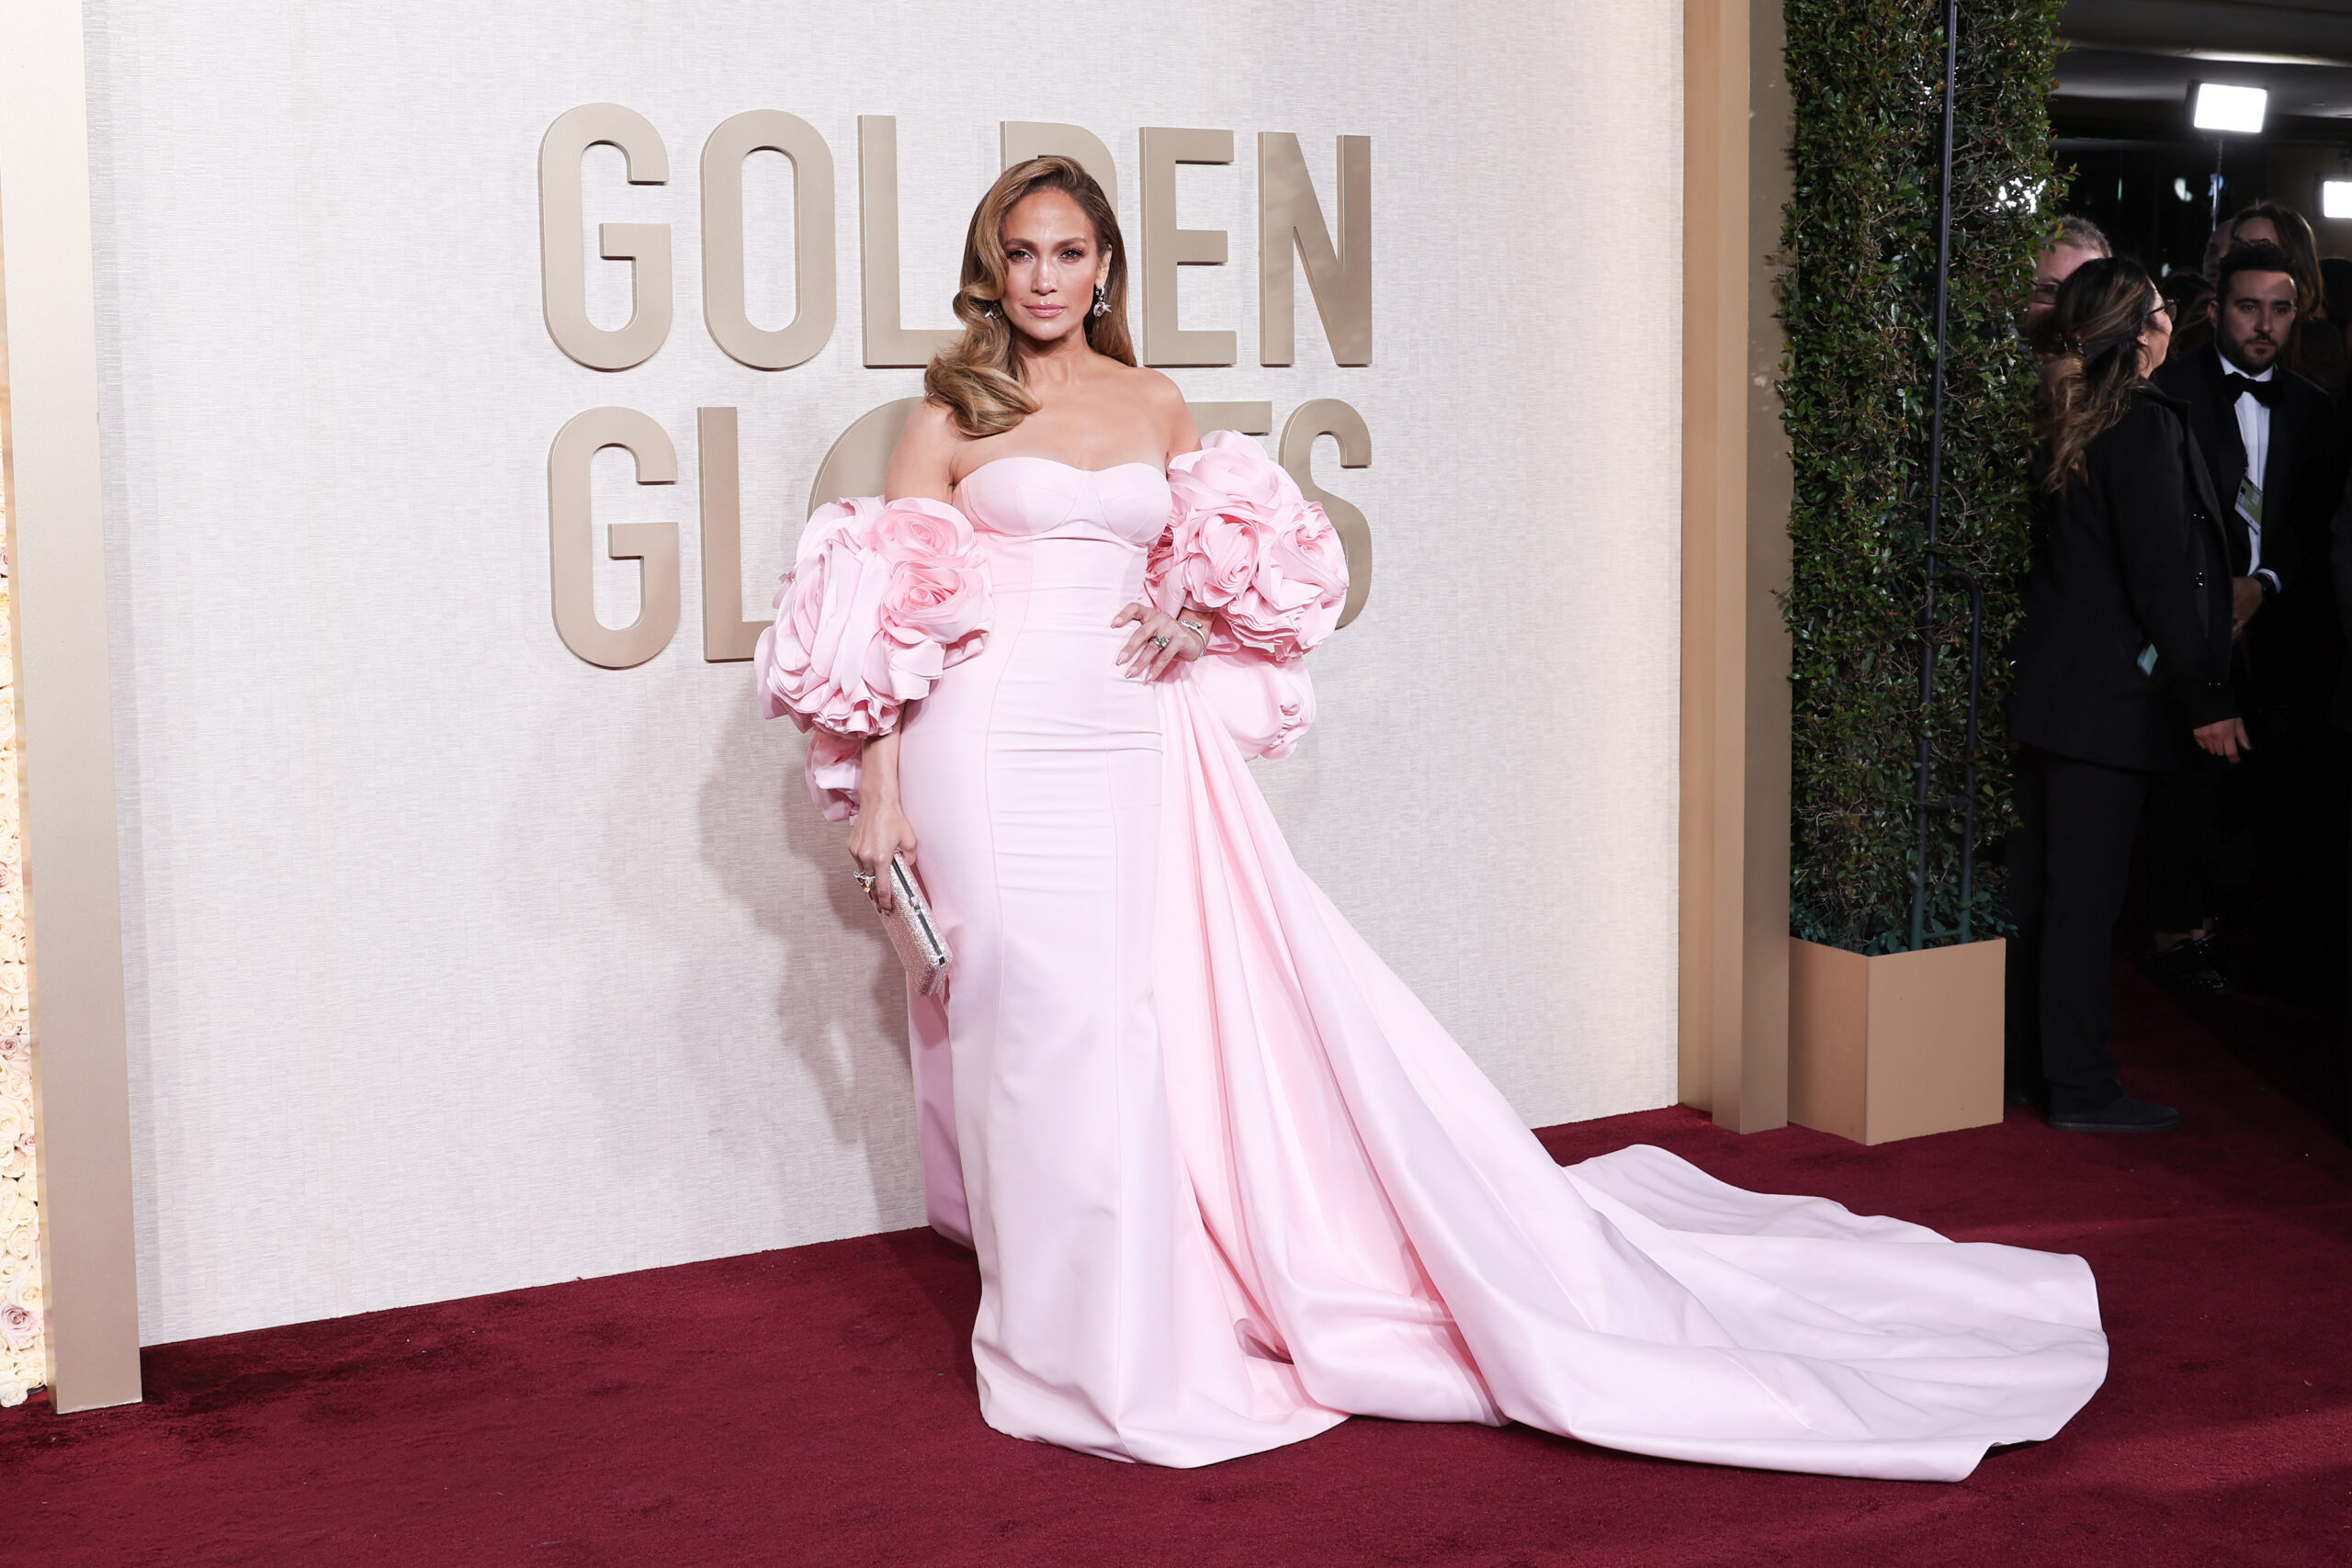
(2263, 431)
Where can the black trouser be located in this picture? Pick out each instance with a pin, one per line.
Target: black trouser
(2069, 861)
(2201, 849)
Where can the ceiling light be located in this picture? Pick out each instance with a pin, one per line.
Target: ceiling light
(2335, 199)
(2218, 107)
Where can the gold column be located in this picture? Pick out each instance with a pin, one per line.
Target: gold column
(65, 709)
(1735, 494)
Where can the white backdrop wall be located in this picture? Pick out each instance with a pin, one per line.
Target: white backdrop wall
(460, 964)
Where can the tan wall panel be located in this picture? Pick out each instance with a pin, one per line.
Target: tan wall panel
(1733, 1057)
(1708, 1004)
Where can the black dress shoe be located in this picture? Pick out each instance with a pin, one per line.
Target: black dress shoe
(2187, 971)
(2126, 1115)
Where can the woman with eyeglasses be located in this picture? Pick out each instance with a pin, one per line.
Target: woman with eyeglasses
(2122, 667)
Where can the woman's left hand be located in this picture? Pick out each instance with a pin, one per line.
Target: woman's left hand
(1157, 643)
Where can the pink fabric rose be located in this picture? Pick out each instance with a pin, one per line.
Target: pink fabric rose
(916, 529)
(1245, 543)
(935, 603)
(1163, 581)
(834, 770)
(880, 601)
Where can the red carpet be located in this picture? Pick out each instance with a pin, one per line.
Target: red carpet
(816, 1407)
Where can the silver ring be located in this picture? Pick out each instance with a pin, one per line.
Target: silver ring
(865, 880)
(1160, 642)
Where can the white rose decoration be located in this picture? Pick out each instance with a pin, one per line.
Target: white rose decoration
(19, 1325)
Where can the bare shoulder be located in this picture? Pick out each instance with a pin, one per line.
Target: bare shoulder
(1168, 410)
(1153, 386)
(923, 462)
(931, 425)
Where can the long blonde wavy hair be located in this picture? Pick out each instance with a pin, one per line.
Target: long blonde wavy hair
(978, 380)
(2088, 386)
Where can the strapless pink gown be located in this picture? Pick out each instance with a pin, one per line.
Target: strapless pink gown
(1228, 1180)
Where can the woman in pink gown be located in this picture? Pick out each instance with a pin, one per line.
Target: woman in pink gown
(1227, 1180)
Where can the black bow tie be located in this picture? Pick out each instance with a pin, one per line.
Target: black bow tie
(2237, 386)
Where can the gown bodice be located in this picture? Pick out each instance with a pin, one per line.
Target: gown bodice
(1024, 498)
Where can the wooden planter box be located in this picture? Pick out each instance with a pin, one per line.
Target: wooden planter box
(1898, 1045)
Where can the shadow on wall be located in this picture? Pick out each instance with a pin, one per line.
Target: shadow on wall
(844, 1019)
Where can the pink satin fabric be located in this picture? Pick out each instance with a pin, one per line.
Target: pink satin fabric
(1229, 1182)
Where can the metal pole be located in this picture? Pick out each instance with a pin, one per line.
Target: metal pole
(1935, 480)
(1968, 800)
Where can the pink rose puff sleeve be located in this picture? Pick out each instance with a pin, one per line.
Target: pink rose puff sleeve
(1242, 541)
(880, 601)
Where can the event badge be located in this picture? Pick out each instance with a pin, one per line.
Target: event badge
(2250, 502)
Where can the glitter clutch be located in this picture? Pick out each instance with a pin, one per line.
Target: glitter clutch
(922, 950)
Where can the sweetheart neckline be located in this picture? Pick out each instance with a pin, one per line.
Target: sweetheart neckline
(1030, 458)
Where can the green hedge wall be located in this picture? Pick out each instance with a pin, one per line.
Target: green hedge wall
(1858, 304)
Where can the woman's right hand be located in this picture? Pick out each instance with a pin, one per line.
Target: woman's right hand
(880, 832)
(2224, 738)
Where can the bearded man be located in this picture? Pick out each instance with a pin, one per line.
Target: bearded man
(2264, 432)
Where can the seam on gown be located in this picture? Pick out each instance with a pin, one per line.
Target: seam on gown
(996, 893)
(1110, 781)
(1118, 1023)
